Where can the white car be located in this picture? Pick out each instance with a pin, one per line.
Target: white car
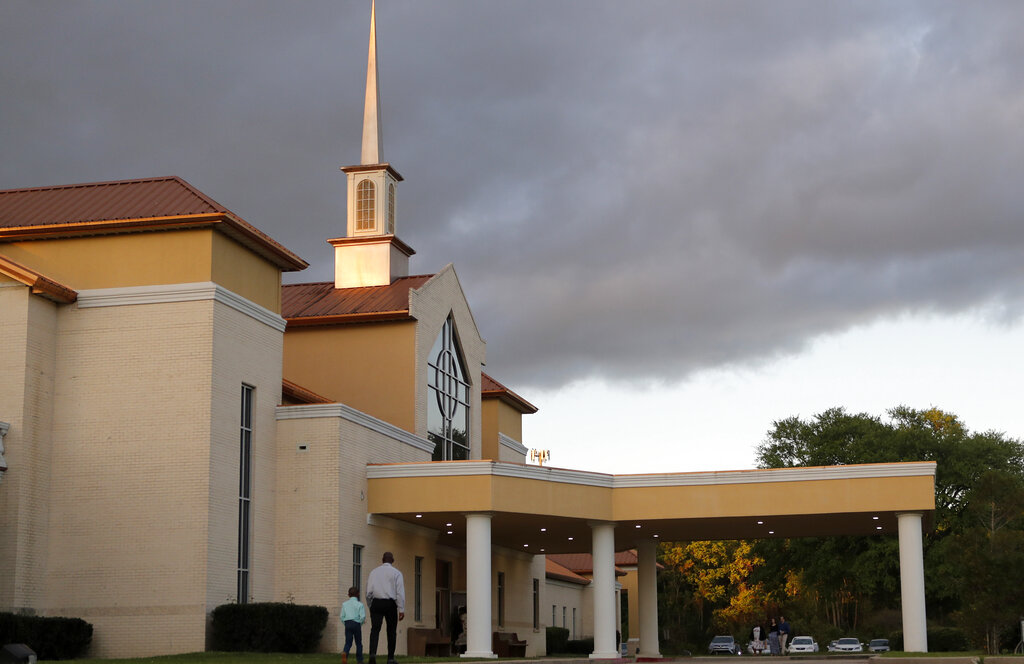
(802, 644)
(846, 644)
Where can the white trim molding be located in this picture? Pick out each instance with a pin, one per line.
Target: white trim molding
(165, 293)
(313, 411)
(512, 444)
(505, 469)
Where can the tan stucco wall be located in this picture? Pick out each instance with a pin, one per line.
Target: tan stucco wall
(147, 259)
(498, 417)
(28, 327)
(370, 367)
(485, 492)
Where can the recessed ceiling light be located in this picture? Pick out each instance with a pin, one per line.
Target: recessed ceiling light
(771, 532)
(543, 530)
(656, 535)
(760, 523)
(448, 524)
(875, 518)
(570, 539)
(525, 545)
(878, 527)
(638, 525)
(419, 516)
(542, 550)
(449, 532)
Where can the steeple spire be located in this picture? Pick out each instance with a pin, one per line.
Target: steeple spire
(373, 146)
(371, 254)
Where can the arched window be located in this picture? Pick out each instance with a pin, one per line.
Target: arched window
(448, 397)
(391, 209)
(365, 205)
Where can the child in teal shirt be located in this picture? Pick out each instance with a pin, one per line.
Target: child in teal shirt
(353, 615)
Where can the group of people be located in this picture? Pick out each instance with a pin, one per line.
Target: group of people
(773, 639)
(385, 591)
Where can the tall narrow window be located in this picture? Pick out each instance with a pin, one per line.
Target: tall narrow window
(554, 608)
(574, 623)
(357, 566)
(536, 603)
(418, 590)
(391, 209)
(366, 195)
(563, 616)
(244, 494)
(448, 398)
(501, 599)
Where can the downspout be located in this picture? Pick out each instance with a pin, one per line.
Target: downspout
(4, 428)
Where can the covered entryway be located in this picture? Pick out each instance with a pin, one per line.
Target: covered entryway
(551, 510)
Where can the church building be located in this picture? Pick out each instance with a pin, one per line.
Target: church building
(179, 430)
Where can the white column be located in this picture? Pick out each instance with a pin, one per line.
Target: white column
(478, 585)
(647, 585)
(603, 537)
(915, 629)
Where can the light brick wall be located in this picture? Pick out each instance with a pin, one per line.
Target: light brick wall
(321, 514)
(28, 337)
(144, 496)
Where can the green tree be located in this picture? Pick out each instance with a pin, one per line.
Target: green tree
(844, 573)
(989, 552)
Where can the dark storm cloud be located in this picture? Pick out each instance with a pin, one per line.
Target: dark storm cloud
(628, 190)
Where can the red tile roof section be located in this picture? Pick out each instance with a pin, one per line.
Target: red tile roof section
(296, 392)
(583, 563)
(323, 304)
(492, 389)
(125, 205)
(553, 570)
(39, 284)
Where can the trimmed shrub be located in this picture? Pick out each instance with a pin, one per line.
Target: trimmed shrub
(50, 638)
(580, 646)
(940, 639)
(557, 640)
(268, 627)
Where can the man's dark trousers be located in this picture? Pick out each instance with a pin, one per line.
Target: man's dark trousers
(382, 610)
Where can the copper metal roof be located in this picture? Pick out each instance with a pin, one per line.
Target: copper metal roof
(39, 284)
(492, 389)
(125, 206)
(323, 304)
(297, 393)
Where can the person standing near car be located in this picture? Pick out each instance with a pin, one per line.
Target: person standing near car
(784, 631)
(773, 637)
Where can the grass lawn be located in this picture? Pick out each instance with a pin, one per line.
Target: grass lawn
(255, 658)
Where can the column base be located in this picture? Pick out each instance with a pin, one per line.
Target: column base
(606, 655)
(479, 655)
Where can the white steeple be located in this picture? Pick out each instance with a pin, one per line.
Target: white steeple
(371, 254)
(373, 145)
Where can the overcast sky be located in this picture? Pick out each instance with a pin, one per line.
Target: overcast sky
(646, 202)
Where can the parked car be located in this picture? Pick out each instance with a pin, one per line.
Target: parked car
(879, 645)
(802, 644)
(846, 644)
(724, 644)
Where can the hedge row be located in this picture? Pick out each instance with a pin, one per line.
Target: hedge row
(50, 638)
(268, 627)
(557, 640)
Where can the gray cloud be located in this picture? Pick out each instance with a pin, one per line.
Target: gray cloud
(629, 190)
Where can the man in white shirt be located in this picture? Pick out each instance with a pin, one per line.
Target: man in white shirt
(385, 591)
